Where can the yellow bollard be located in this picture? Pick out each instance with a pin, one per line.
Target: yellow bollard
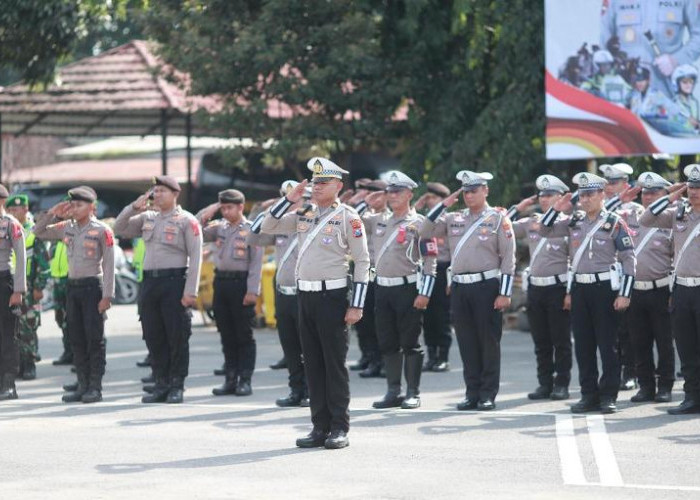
(268, 293)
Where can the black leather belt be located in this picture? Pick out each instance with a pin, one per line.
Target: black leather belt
(231, 275)
(89, 281)
(173, 272)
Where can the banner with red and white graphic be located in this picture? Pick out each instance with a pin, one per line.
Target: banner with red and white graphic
(620, 77)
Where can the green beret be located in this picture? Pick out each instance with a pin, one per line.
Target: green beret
(17, 200)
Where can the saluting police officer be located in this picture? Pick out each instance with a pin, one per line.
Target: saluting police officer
(90, 248)
(405, 276)
(170, 282)
(437, 329)
(483, 263)
(11, 290)
(286, 303)
(545, 281)
(238, 268)
(617, 177)
(601, 278)
(684, 222)
(329, 232)
(648, 317)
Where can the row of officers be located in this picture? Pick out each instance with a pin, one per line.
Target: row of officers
(593, 255)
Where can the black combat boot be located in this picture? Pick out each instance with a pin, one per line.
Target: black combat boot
(373, 369)
(542, 392)
(244, 387)
(229, 385)
(64, 359)
(145, 363)
(177, 390)
(29, 372)
(392, 398)
(294, 399)
(160, 392)
(412, 370)
(76, 396)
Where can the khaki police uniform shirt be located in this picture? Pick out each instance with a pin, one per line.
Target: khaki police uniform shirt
(233, 253)
(553, 257)
(12, 239)
(689, 266)
(172, 239)
(284, 275)
(610, 243)
(90, 248)
(490, 246)
(326, 256)
(655, 260)
(400, 258)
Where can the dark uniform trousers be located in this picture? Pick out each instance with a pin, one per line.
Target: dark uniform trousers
(625, 348)
(550, 327)
(595, 324)
(167, 327)
(367, 328)
(685, 317)
(436, 320)
(9, 328)
(478, 328)
(398, 322)
(649, 321)
(86, 330)
(324, 341)
(287, 316)
(235, 324)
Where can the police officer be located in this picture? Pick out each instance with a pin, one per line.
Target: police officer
(238, 268)
(483, 262)
(601, 278)
(90, 245)
(37, 277)
(170, 282)
(545, 281)
(286, 303)
(654, 31)
(617, 177)
(437, 329)
(404, 282)
(684, 222)
(372, 199)
(329, 232)
(11, 290)
(606, 84)
(648, 317)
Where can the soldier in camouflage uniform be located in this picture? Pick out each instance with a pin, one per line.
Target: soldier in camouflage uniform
(37, 276)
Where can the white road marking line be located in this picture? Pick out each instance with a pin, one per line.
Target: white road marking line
(603, 451)
(650, 487)
(569, 457)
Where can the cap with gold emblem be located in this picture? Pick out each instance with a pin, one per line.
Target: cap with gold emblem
(323, 168)
(438, 189)
(550, 184)
(396, 181)
(167, 181)
(82, 193)
(692, 172)
(472, 180)
(587, 181)
(17, 200)
(651, 181)
(231, 196)
(616, 171)
(3, 192)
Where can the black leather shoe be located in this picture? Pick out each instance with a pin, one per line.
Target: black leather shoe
(149, 379)
(608, 405)
(389, 401)
(486, 405)
(373, 370)
(644, 395)
(337, 440)
(315, 439)
(175, 396)
(663, 396)
(244, 388)
(92, 396)
(64, 359)
(29, 372)
(585, 405)
(145, 362)
(149, 388)
(294, 399)
(687, 407)
(73, 397)
(305, 402)
(559, 393)
(542, 392)
(467, 404)
(280, 365)
(159, 395)
(358, 365)
(70, 387)
(628, 384)
(411, 402)
(220, 371)
(227, 389)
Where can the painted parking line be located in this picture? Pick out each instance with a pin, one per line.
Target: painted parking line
(569, 457)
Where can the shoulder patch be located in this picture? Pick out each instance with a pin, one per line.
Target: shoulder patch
(109, 237)
(194, 225)
(16, 230)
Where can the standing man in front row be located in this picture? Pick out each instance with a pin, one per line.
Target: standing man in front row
(236, 289)
(11, 290)
(684, 222)
(483, 262)
(170, 281)
(90, 245)
(329, 231)
(601, 279)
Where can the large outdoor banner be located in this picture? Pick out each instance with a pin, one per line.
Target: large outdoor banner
(621, 77)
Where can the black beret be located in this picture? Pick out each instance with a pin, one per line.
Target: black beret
(438, 189)
(231, 196)
(82, 193)
(167, 181)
